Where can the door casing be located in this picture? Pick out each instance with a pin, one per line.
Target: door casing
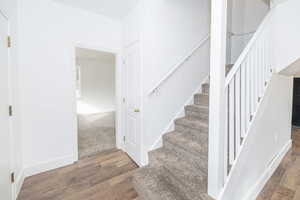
(11, 139)
(120, 95)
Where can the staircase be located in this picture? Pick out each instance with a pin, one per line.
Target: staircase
(178, 170)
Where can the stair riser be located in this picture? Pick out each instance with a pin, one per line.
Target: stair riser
(197, 115)
(205, 89)
(191, 129)
(201, 134)
(201, 100)
(200, 160)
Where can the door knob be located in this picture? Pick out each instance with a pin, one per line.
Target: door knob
(137, 110)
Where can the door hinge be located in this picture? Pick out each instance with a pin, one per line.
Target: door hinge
(124, 100)
(12, 177)
(10, 111)
(8, 42)
(124, 139)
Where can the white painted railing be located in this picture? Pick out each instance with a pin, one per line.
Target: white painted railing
(179, 64)
(244, 89)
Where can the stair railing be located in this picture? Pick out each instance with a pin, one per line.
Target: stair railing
(235, 98)
(245, 87)
(181, 62)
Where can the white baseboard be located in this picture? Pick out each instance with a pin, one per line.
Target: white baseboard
(257, 188)
(48, 165)
(171, 126)
(19, 182)
(40, 168)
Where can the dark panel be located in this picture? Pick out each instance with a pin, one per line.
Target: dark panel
(296, 102)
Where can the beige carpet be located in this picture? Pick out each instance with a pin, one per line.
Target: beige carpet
(96, 133)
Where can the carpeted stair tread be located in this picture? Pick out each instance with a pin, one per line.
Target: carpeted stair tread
(193, 123)
(160, 156)
(150, 185)
(186, 177)
(187, 142)
(198, 108)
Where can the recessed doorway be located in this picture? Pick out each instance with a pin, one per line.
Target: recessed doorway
(96, 101)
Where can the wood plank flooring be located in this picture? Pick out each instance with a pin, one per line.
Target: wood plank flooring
(285, 182)
(105, 176)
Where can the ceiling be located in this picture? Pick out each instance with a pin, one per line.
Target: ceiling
(93, 54)
(109, 8)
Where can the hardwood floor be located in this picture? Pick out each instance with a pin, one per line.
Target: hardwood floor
(105, 176)
(285, 182)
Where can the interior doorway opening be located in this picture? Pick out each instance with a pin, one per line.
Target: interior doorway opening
(96, 101)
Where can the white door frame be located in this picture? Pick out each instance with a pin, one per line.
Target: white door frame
(118, 97)
(11, 144)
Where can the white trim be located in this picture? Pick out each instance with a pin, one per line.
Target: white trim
(118, 95)
(259, 185)
(19, 182)
(12, 149)
(181, 113)
(48, 165)
(179, 64)
(217, 106)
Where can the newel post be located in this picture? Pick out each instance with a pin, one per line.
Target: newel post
(217, 97)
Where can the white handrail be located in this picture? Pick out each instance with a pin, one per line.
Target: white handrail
(240, 34)
(247, 49)
(180, 63)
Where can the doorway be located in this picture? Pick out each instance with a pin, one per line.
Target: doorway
(96, 101)
(122, 114)
(296, 103)
(5, 137)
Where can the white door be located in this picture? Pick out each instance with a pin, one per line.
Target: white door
(5, 168)
(133, 103)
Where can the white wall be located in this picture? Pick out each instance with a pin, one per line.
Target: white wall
(97, 85)
(10, 8)
(49, 32)
(269, 136)
(246, 16)
(286, 40)
(170, 30)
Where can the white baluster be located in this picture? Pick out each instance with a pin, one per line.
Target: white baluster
(248, 92)
(226, 150)
(237, 111)
(243, 99)
(231, 123)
